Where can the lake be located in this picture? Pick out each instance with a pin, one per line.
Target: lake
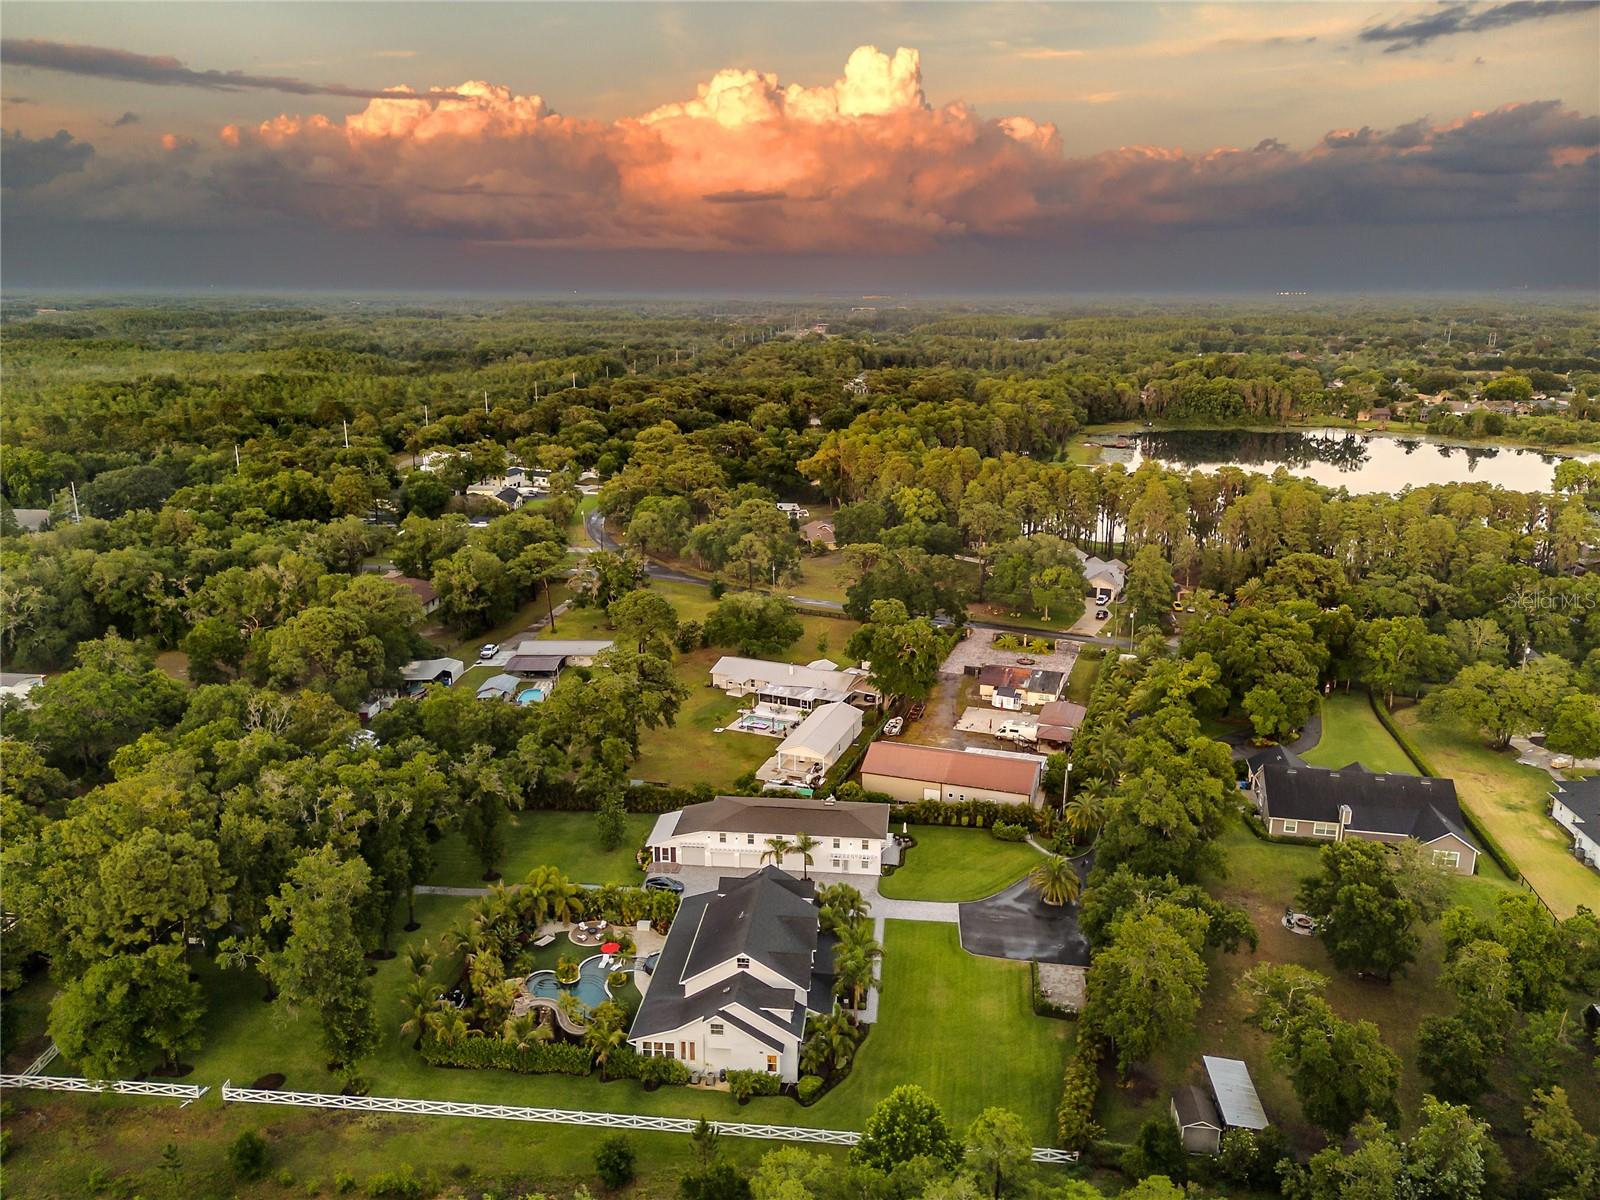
(1358, 462)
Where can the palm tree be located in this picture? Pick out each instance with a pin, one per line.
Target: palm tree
(853, 968)
(419, 959)
(449, 1027)
(557, 896)
(606, 1034)
(803, 846)
(525, 1031)
(1086, 812)
(421, 1002)
(841, 905)
(1056, 880)
(777, 850)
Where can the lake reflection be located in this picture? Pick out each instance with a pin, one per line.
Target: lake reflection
(1341, 458)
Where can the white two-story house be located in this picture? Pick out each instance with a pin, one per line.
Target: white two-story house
(740, 969)
(732, 832)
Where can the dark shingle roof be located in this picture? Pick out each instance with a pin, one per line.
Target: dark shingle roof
(1582, 796)
(1273, 756)
(1406, 805)
(771, 815)
(768, 916)
(1194, 1107)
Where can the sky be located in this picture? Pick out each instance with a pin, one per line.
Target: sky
(768, 148)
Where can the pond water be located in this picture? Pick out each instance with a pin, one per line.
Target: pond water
(1359, 462)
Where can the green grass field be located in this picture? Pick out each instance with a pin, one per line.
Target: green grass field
(1510, 801)
(537, 839)
(1351, 732)
(958, 864)
(1085, 670)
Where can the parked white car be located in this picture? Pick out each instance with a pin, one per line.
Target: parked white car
(489, 651)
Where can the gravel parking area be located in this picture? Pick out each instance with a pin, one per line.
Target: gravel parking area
(977, 650)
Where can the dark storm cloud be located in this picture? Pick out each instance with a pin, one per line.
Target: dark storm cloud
(100, 62)
(127, 118)
(1465, 18)
(32, 162)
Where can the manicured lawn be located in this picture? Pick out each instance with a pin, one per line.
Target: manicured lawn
(1510, 801)
(962, 1027)
(1085, 670)
(1351, 732)
(824, 577)
(557, 839)
(958, 864)
(1263, 878)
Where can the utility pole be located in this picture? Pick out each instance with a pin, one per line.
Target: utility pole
(574, 379)
(236, 458)
(77, 517)
(346, 425)
(486, 404)
(425, 419)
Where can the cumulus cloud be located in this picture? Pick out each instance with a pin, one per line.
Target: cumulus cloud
(864, 165)
(100, 62)
(1452, 19)
(32, 162)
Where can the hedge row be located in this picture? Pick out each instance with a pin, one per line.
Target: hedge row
(1080, 1085)
(560, 796)
(979, 814)
(744, 1084)
(539, 1058)
(1493, 848)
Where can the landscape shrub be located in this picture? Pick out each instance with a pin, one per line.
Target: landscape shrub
(1079, 1086)
(344, 1183)
(538, 1058)
(400, 1184)
(965, 812)
(689, 637)
(247, 1156)
(809, 1088)
(613, 1161)
(744, 1084)
(1157, 1150)
(1007, 832)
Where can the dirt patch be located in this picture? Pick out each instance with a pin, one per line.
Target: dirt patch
(268, 1083)
(175, 1071)
(1063, 984)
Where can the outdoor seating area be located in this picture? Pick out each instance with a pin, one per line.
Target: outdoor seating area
(1299, 923)
(588, 933)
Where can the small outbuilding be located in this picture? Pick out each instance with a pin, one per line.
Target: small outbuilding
(1197, 1120)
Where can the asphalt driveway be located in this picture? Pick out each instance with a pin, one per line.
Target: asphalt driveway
(1017, 924)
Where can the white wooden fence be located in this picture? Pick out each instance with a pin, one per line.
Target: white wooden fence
(188, 1092)
(122, 1087)
(568, 1116)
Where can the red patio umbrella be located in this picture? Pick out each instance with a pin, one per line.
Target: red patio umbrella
(610, 947)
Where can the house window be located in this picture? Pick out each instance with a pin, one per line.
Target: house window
(864, 845)
(1447, 858)
(716, 1029)
(772, 1064)
(742, 962)
(722, 837)
(1324, 829)
(1291, 826)
(835, 843)
(686, 1051)
(749, 839)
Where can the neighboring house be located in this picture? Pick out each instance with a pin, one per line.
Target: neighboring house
(1018, 687)
(17, 687)
(31, 520)
(541, 660)
(1296, 800)
(424, 591)
(1575, 804)
(818, 533)
(789, 686)
(499, 687)
(375, 704)
(1106, 577)
(812, 747)
(741, 968)
(910, 773)
(1197, 1120)
(794, 512)
(1059, 721)
(424, 671)
(732, 832)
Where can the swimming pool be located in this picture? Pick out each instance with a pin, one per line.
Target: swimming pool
(530, 695)
(591, 986)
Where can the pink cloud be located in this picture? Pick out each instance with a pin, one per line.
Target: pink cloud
(866, 164)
